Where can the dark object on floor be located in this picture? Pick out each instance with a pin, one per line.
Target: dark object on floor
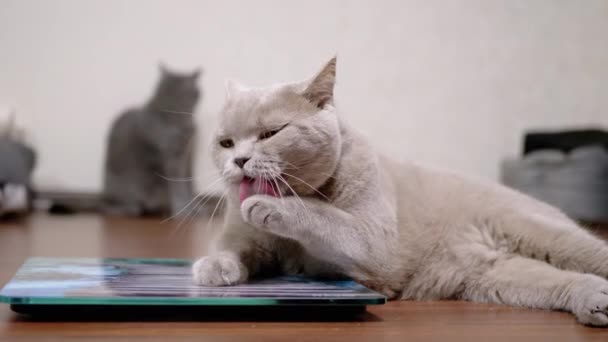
(163, 313)
(564, 141)
(66, 203)
(568, 169)
(61, 209)
(17, 162)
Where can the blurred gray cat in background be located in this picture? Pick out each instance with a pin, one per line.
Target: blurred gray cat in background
(148, 166)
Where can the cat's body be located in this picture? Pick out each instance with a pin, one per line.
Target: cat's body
(407, 231)
(149, 154)
(17, 163)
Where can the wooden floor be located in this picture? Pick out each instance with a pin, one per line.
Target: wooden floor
(90, 236)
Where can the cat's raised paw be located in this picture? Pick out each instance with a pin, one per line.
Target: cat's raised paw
(219, 270)
(262, 212)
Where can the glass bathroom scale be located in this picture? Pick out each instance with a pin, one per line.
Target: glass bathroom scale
(44, 285)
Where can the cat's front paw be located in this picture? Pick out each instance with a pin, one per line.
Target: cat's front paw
(219, 270)
(591, 302)
(263, 212)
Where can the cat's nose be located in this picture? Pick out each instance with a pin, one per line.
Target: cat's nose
(240, 162)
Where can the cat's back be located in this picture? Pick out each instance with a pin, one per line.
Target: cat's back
(427, 195)
(124, 123)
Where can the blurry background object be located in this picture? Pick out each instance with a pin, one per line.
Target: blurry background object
(564, 141)
(148, 167)
(568, 169)
(17, 162)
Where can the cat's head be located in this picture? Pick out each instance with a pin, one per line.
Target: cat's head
(177, 91)
(287, 133)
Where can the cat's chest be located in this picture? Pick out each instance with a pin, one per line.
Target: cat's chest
(293, 259)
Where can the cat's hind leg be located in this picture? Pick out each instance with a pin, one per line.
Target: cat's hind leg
(521, 281)
(559, 242)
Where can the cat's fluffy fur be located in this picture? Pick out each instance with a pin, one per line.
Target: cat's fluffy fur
(407, 231)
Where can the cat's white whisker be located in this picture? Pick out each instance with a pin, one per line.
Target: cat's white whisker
(192, 200)
(185, 179)
(219, 202)
(194, 211)
(259, 187)
(181, 210)
(176, 112)
(180, 225)
(294, 192)
(279, 191)
(272, 177)
(292, 166)
(289, 164)
(307, 184)
(197, 208)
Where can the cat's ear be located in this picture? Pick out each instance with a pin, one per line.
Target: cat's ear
(320, 90)
(162, 67)
(233, 87)
(196, 73)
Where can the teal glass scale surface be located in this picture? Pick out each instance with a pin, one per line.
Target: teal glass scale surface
(158, 282)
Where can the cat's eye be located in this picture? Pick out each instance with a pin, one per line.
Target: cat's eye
(226, 143)
(270, 133)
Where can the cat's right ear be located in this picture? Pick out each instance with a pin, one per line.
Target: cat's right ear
(233, 87)
(196, 73)
(320, 90)
(162, 67)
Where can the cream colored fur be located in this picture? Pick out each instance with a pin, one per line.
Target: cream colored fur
(407, 231)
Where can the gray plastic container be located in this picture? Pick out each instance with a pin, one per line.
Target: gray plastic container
(576, 182)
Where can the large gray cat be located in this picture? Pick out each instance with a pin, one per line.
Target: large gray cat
(151, 145)
(408, 231)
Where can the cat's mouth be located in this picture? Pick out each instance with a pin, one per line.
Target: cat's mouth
(257, 186)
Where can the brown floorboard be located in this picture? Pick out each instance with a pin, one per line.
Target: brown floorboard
(91, 235)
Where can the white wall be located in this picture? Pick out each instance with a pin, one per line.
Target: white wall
(451, 83)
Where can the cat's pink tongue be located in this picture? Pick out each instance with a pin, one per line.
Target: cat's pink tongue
(256, 186)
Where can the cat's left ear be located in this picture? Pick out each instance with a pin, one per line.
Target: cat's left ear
(196, 73)
(162, 67)
(320, 91)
